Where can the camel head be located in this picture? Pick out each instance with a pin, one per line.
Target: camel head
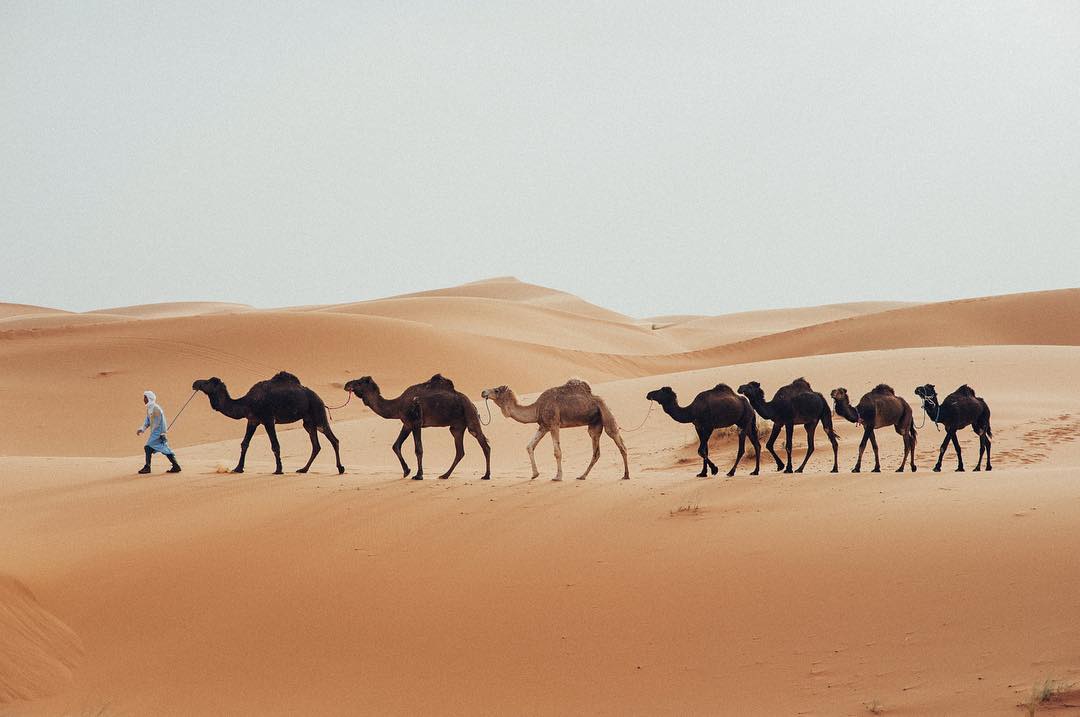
(497, 394)
(840, 395)
(663, 396)
(927, 393)
(209, 386)
(362, 386)
(752, 391)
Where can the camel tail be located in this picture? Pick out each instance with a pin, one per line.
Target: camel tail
(826, 421)
(607, 416)
(984, 421)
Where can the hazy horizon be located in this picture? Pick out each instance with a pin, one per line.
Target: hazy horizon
(667, 159)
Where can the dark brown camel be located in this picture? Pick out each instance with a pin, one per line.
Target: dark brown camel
(960, 409)
(878, 409)
(434, 403)
(794, 403)
(718, 407)
(282, 399)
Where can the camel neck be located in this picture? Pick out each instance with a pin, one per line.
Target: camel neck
(846, 410)
(387, 408)
(511, 408)
(763, 407)
(226, 405)
(677, 412)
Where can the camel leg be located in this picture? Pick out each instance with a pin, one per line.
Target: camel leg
(271, 431)
(907, 446)
(485, 447)
(941, 453)
(613, 432)
(458, 432)
(703, 435)
(315, 447)
(867, 432)
(810, 429)
(959, 455)
(251, 426)
(772, 441)
(739, 455)
(558, 452)
(912, 438)
(986, 438)
(418, 446)
(756, 443)
(405, 431)
(595, 431)
(325, 428)
(873, 442)
(531, 448)
(789, 428)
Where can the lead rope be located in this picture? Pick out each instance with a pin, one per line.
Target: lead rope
(926, 414)
(334, 408)
(488, 407)
(177, 416)
(640, 425)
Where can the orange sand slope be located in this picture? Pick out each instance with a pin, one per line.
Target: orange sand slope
(208, 593)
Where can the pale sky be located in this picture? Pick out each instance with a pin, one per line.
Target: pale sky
(652, 157)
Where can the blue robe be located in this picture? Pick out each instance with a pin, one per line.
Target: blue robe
(155, 441)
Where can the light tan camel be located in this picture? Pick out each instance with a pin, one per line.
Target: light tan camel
(568, 406)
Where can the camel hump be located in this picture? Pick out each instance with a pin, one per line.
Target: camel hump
(966, 390)
(576, 384)
(801, 382)
(722, 388)
(440, 381)
(285, 377)
(884, 388)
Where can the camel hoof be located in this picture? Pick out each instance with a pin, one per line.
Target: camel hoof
(301, 470)
(557, 478)
(788, 470)
(341, 470)
(485, 477)
(913, 469)
(877, 469)
(835, 470)
(418, 477)
(937, 469)
(754, 472)
(535, 477)
(797, 470)
(625, 478)
(730, 474)
(988, 469)
(279, 472)
(702, 475)
(237, 470)
(960, 469)
(443, 477)
(580, 478)
(714, 470)
(976, 469)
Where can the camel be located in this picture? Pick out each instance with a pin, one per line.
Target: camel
(879, 408)
(960, 409)
(432, 404)
(794, 403)
(568, 406)
(282, 399)
(718, 407)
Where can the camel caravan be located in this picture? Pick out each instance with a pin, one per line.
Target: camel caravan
(435, 403)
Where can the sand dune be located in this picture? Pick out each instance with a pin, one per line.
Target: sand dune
(208, 593)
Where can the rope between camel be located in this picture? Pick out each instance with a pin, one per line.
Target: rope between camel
(640, 425)
(334, 408)
(488, 407)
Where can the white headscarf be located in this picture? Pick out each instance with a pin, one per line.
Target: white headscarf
(151, 402)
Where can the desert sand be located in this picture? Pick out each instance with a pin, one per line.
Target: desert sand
(366, 593)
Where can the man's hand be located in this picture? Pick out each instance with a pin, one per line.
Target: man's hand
(138, 432)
